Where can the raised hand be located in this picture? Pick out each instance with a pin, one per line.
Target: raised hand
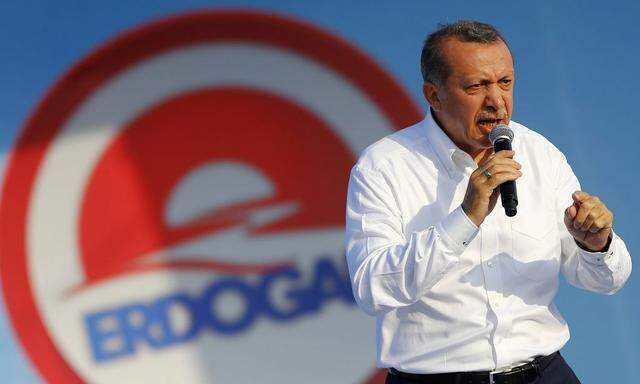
(589, 221)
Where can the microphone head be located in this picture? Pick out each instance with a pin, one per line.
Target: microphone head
(500, 131)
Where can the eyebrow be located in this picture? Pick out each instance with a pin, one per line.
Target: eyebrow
(484, 80)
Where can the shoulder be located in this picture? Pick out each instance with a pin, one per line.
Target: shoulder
(543, 157)
(535, 141)
(391, 148)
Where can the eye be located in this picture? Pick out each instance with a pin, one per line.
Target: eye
(506, 81)
(474, 87)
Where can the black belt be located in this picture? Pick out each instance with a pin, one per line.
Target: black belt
(522, 374)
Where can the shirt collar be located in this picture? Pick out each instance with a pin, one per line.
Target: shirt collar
(454, 159)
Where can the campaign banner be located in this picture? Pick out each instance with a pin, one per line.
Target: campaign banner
(173, 209)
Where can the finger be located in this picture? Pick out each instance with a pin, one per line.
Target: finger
(499, 159)
(494, 167)
(502, 177)
(597, 223)
(580, 218)
(605, 221)
(502, 161)
(568, 219)
(504, 154)
(591, 217)
(580, 196)
(488, 184)
(591, 203)
(569, 214)
(500, 168)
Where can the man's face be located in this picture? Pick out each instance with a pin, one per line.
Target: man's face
(477, 95)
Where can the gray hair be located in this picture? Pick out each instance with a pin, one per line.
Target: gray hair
(433, 65)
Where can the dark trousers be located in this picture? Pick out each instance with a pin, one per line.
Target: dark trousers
(556, 372)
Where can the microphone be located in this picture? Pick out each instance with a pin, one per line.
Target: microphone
(500, 137)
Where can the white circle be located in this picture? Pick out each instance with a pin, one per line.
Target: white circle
(53, 255)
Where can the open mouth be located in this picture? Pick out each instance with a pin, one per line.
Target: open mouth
(487, 124)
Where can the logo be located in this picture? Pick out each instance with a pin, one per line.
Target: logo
(173, 210)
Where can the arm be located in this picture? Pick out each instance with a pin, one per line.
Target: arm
(593, 256)
(389, 268)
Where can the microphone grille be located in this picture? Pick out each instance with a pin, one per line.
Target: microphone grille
(500, 131)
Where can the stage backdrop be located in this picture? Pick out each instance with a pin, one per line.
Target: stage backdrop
(174, 176)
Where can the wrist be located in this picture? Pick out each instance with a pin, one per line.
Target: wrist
(475, 220)
(595, 249)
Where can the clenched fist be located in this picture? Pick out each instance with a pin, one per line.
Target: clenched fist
(589, 221)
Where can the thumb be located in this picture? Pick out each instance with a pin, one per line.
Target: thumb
(570, 214)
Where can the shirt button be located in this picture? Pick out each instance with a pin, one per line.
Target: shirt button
(490, 264)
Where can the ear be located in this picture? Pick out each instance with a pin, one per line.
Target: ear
(430, 92)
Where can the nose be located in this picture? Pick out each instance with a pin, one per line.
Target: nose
(493, 98)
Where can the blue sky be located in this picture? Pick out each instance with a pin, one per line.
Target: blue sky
(577, 81)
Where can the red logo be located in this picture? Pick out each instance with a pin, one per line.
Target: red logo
(186, 182)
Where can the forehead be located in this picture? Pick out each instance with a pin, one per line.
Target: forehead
(476, 59)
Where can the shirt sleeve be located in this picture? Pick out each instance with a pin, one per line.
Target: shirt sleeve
(389, 268)
(602, 272)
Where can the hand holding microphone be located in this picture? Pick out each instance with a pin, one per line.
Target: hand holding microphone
(499, 169)
(501, 137)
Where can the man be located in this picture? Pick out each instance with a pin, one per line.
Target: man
(461, 292)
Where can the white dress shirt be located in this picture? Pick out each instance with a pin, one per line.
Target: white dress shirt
(449, 296)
